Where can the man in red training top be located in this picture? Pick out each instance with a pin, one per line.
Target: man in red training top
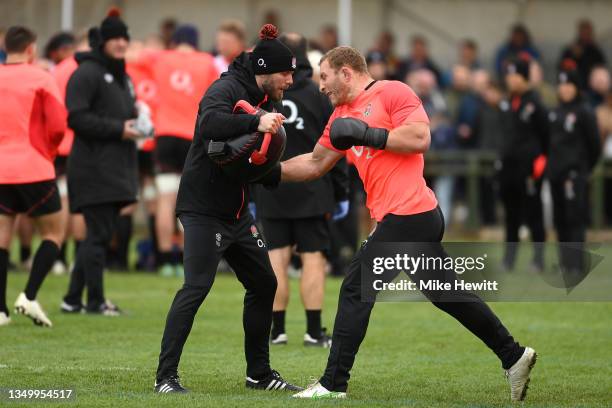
(383, 128)
(33, 123)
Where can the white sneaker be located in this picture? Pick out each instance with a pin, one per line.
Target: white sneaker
(317, 391)
(280, 339)
(518, 374)
(58, 268)
(4, 319)
(33, 310)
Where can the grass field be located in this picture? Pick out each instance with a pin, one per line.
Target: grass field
(413, 355)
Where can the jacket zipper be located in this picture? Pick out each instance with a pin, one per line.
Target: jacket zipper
(241, 205)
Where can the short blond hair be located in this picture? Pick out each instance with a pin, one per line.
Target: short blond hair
(345, 56)
(234, 27)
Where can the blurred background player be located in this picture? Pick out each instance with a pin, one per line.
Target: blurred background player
(574, 150)
(60, 47)
(295, 214)
(146, 93)
(33, 123)
(74, 224)
(230, 41)
(181, 76)
(526, 131)
(102, 167)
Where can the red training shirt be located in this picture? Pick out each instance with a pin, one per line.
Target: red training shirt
(393, 182)
(32, 124)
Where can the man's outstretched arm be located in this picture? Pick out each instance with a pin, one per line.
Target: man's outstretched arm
(309, 166)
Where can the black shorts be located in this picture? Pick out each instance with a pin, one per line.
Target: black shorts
(33, 199)
(308, 234)
(170, 154)
(145, 163)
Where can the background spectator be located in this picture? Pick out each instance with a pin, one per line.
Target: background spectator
(599, 85)
(384, 44)
(377, 66)
(544, 89)
(585, 51)
(418, 59)
(327, 38)
(519, 42)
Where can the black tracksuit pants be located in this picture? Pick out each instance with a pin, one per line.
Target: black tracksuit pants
(570, 215)
(207, 239)
(521, 197)
(100, 221)
(353, 313)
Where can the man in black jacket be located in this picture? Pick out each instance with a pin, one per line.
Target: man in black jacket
(213, 211)
(102, 166)
(297, 213)
(524, 122)
(574, 150)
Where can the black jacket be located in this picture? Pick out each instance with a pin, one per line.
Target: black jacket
(204, 188)
(525, 127)
(307, 111)
(574, 140)
(102, 167)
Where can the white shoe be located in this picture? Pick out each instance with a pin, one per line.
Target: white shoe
(4, 319)
(33, 310)
(518, 374)
(317, 391)
(58, 268)
(280, 339)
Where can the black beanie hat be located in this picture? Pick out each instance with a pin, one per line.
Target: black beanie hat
(113, 27)
(568, 73)
(270, 55)
(519, 65)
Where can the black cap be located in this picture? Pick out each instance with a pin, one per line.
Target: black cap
(568, 73)
(519, 65)
(375, 57)
(569, 77)
(270, 55)
(113, 27)
(186, 34)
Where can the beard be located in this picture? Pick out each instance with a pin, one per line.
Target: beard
(339, 94)
(274, 93)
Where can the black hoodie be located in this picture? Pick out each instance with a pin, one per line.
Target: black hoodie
(574, 140)
(307, 111)
(204, 189)
(524, 123)
(102, 167)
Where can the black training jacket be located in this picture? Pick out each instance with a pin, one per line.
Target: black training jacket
(102, 167)
(525, 128)
(204, 188)
(307, 111)
(574, 140)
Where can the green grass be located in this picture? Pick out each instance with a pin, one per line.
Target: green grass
(413, 355)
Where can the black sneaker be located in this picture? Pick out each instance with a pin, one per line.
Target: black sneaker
(106, 309)
(170, 385)
(273, 382)
(68, 308)
(324, 341)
